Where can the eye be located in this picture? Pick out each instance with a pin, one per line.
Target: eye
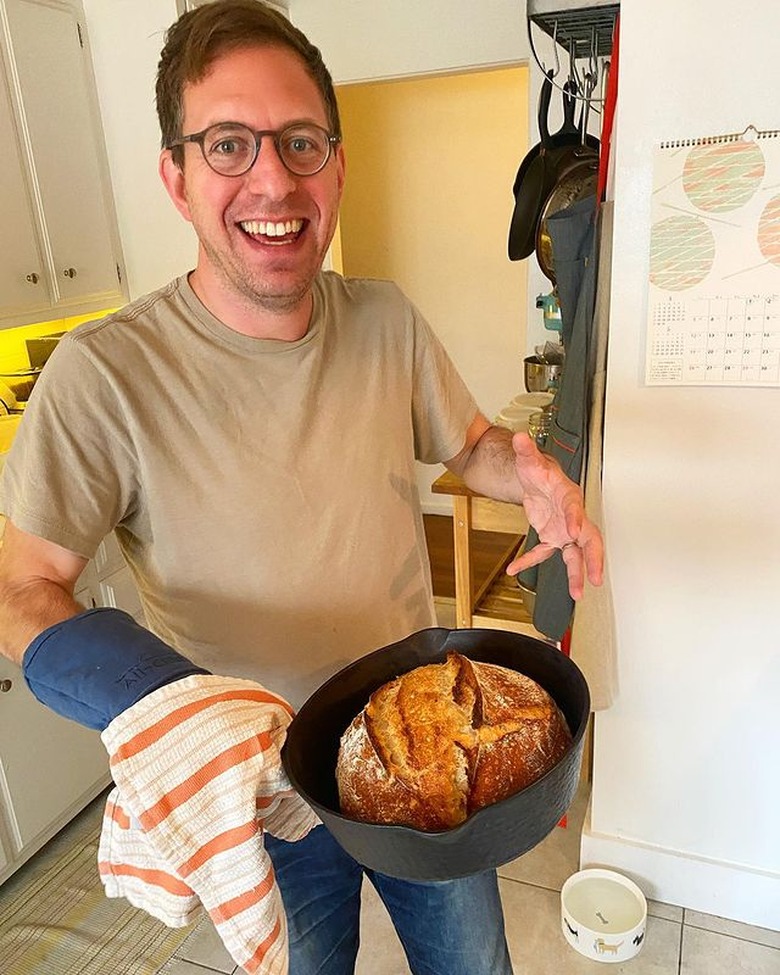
(222, 142)
(305, 142)
(225, 147)
(229, 146)
(301, 144)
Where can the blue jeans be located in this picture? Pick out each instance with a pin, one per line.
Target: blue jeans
(454, 927)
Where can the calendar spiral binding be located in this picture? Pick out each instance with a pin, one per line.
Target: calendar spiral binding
(750, 134)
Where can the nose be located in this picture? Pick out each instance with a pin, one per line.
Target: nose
(268, 176)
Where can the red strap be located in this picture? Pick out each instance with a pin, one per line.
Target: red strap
(609, 113)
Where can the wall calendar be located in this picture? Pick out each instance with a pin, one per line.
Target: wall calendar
(714, 289)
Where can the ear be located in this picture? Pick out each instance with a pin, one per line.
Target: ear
(173, 180)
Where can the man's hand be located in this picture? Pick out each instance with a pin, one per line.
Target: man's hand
(554, 506)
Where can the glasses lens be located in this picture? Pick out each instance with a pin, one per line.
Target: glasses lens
(229, 148)
(304, 149)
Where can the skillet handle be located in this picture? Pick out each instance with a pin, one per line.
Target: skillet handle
(569, 126)
(544, 110)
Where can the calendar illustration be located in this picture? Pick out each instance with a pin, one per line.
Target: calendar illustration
(714, 283)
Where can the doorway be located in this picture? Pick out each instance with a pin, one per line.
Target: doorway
(427, 203)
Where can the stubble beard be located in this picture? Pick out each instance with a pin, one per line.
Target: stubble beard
(255, 289)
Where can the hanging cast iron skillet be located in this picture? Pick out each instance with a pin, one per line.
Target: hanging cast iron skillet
(529, 185)
(539, 169)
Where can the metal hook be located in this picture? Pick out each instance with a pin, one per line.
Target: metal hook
(540, 63)
(573, 72)
(555, 52)
(593, 61)
(572, 45)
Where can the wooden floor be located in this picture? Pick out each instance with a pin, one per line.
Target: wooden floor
(486, 547)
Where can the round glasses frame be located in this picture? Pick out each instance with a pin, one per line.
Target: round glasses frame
(280, 137)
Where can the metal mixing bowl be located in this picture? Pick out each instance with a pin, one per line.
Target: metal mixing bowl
(540, 376)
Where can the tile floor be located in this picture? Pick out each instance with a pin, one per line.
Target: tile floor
(678, 942)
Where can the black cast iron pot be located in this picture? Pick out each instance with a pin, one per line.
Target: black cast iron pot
(491, 836)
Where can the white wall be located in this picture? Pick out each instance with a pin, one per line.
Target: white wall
(368, 39)
(686, 789)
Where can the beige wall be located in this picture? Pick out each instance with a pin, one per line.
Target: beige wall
(428, 200)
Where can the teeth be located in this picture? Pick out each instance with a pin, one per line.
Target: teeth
(268, 228)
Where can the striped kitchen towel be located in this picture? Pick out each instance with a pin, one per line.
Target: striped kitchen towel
(198, 779)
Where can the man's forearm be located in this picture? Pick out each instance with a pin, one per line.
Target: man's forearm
(489, 467)
(27, 609)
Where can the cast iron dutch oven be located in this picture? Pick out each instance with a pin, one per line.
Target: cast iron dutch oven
(491, 836)
(542, 166)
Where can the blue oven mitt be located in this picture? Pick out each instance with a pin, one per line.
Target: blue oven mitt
(93, 666)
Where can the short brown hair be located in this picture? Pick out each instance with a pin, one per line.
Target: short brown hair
(200, 36)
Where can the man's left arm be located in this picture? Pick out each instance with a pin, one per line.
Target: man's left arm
(509, 467)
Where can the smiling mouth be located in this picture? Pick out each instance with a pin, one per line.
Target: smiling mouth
(273, 231)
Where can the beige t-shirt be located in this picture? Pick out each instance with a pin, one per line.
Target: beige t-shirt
(263, 492)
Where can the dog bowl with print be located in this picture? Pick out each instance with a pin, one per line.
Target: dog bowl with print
(491, 836)
(603, 915)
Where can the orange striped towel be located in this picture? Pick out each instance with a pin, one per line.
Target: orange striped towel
(198, 779)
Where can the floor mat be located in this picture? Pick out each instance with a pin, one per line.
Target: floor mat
(56, 920)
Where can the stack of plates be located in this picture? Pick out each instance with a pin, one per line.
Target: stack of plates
(515, 415)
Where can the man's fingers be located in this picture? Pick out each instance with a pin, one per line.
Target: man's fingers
(577, 561)
(572, 556)
(535, 556)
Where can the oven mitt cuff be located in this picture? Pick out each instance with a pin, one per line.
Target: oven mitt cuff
(92, 667)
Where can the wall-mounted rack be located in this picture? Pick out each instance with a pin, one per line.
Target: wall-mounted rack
(571, 20)
(576, 42)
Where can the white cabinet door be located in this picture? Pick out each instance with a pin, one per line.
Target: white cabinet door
(118, 590)
(49, 766)
(23, 282)
(87, 588)
(108, 557)
(59, 118)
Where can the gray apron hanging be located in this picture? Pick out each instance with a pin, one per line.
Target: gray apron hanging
(573, 235)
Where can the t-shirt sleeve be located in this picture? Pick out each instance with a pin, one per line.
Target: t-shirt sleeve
(442, 406)
(69, 476)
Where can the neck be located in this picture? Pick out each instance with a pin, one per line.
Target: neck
(252, 316)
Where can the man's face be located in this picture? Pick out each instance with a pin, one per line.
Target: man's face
(264, 88)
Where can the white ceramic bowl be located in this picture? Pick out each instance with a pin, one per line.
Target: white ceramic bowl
(515, 416)
(603, 915)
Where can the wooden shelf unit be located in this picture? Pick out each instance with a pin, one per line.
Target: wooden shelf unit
(497, 603)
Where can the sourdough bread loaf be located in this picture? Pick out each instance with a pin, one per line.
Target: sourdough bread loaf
(436, 744)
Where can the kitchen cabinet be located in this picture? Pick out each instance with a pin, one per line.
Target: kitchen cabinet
(50, 768)
(62, 254)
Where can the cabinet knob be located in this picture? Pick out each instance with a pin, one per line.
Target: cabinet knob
(6, 685)
(33, 278)
(70, 272)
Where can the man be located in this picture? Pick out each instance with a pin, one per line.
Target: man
(250, 432)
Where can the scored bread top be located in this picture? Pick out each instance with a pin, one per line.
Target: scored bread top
(443, 740)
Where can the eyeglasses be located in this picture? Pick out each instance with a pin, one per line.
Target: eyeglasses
(231, 148)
